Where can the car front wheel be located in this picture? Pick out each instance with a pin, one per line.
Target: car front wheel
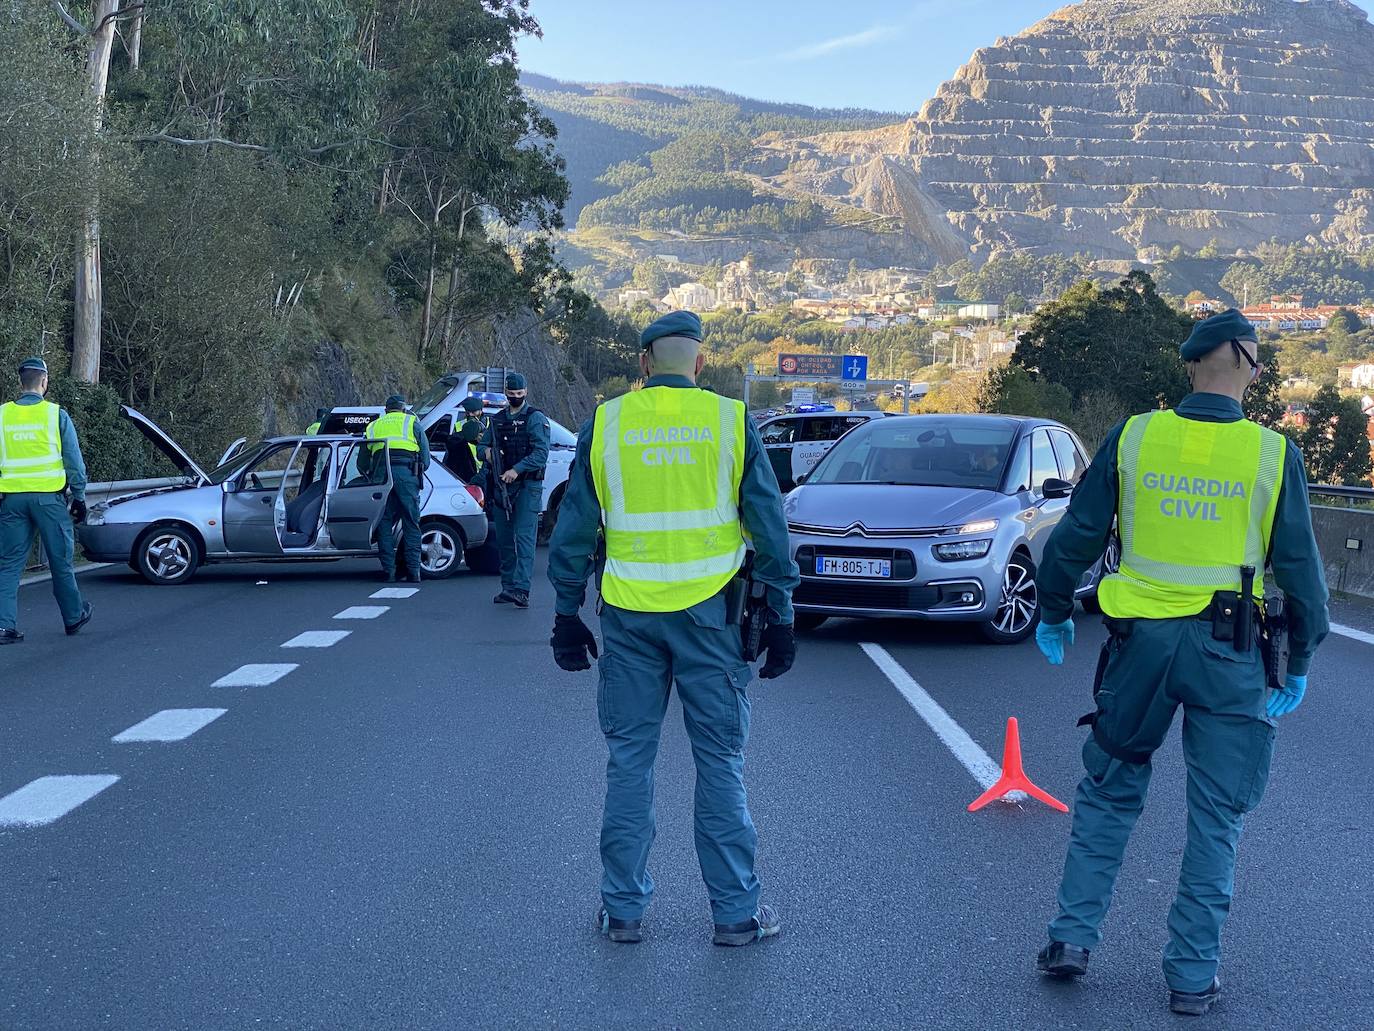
(1018, 607)
(441, 550)
(167, 555)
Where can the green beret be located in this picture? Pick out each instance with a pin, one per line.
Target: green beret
(472, 404)
(33, 363)
(395, 403)
(674, 324)
(515, 381)
(1213, 332)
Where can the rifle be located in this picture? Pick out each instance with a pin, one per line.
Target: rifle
(498, 485)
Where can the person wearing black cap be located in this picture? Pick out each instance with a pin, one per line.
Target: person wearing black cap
(517, 444)
(1207, 504)
(40, 458)
(408, 453)
(676, 479)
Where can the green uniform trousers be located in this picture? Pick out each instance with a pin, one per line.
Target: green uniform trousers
(1227, 745)
(403, 504)
(515, 537)
(21, 516)
(645, 653)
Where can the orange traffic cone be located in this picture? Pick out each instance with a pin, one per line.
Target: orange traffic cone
(1013, 776)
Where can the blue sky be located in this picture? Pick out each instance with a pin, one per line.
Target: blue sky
(884, 54)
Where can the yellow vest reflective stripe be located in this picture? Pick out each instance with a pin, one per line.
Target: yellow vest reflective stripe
(396, 428)
(312, 429)
(31, 449)
(476, 462)
(667, 464)
(1196, 502)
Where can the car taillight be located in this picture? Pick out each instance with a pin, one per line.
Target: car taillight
(476, 493)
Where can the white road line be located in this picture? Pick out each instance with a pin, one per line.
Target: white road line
(256, 674)
(317, 639)
(48, 799)
(169, 725)
(362, 612)
(956, 739)
(1352, 633)
(395, 592)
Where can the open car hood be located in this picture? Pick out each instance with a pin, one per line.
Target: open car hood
(173, 451)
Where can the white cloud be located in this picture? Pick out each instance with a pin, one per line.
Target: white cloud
(868, 37)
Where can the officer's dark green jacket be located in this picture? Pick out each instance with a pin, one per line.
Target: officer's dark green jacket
(1078, 540)
(760, 508)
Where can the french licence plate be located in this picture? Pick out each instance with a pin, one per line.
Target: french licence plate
(866, 568)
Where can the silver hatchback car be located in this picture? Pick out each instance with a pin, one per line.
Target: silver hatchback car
(939, 517)
(298, 498)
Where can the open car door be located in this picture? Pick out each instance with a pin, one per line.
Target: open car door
(355, 506)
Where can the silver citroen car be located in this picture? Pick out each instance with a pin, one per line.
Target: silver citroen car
(938, 517)
(296, 498)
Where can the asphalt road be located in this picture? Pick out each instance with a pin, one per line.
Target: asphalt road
(401, 832)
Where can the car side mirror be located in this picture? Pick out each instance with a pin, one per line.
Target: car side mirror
(230, 486)
(801, 479)
(1056, 490)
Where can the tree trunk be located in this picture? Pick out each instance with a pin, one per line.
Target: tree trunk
(87, 299)
(428, 320)
(136, 41)
(450, 307)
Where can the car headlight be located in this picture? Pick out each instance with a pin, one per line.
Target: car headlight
(978, 526)
(95, 515)
(956, 551)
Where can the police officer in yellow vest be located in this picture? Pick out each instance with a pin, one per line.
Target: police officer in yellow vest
(314, 427)
(675, 477)
(1199, 494)
(39, 459)
(409, 456)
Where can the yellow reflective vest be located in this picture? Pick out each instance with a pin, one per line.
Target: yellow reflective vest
(31, 449)
(1196, 502)
(667, 464)
(396, 428)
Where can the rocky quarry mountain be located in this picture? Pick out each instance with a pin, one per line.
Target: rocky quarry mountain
(1117, 126)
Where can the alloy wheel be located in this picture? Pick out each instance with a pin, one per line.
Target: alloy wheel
(1020, 599)
(438, 551)
(168, 556)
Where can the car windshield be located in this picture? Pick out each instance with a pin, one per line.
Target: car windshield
(927, 451)
(241, 458)
(433, 396)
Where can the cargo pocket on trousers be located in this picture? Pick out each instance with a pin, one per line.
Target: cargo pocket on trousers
(1256, 776)
(606, 688)
(737, 681)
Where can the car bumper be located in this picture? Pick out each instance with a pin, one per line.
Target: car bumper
(922, 587)
(109, 542)
(474, 529)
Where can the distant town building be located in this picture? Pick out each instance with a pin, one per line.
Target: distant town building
(691, 297)
(987, 312)
(629, 298)
(1362, 377)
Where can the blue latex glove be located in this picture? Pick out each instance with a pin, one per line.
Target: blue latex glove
(1052, 639)
(1287, 698)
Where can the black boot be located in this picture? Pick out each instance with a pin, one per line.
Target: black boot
(8, 636)
(1195, 1004)
(504, 598)
(389, 576)
(622, 932)
(1060, 959)
(521, 599)
(86, 611)
(765, 923)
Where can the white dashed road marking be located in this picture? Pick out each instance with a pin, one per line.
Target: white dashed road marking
(362, 612)
(317, 639)
(1352, 633)
(169, 725)
(256, 674)
(956, 739)
(48, 799)
(395, 592)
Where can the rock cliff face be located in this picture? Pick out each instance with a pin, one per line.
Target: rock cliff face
(1117, 126)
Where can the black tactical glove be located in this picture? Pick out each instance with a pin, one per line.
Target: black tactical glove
(78, 510)
(779, 644)
(571, 642)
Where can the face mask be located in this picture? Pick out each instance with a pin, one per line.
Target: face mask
(515, 403)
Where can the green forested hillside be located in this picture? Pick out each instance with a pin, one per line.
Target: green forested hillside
(656, 156)
(227, 214)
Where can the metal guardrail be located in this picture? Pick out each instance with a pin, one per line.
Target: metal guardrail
(1344, 493)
